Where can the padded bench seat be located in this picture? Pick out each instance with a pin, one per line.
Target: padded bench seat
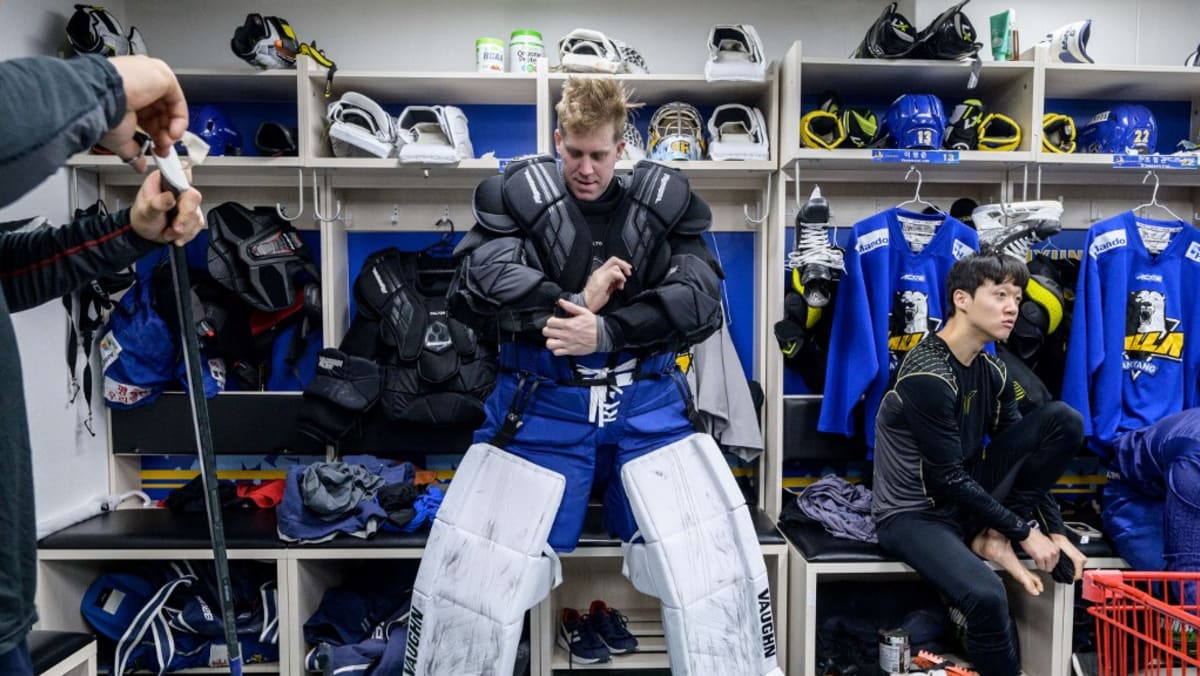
(164, 529)
(61, 652)
(255, 529)
(818, 546)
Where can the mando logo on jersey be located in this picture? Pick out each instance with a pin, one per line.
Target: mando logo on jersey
(909, 321)
(1149, 333)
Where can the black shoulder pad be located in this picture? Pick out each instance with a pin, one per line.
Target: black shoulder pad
(662, 190)
(488, 204)
(696, 219)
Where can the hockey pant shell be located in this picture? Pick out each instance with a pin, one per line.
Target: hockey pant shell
(1150, 511)
(699, 555)
(556, 433)
(486, 562)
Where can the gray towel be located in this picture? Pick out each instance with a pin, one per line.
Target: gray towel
(331, 489)
(843, 508)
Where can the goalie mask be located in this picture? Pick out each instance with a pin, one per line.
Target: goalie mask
(735, 53)
(737, 132)
(635, 148)
(266, 42)
(588, 51)
(256, 254)
(675, 133)
(1058, 133)
(1126, 128)
(999, 132)
(890, 37)
(916, 121)
(1069, 43)
(951, 36)
(209, 123)
(93, 30)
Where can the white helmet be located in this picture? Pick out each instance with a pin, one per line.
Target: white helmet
(360, 127)
(1069, 43)
(588, 51)
(735, 53)
(737, 132)
(676, 133)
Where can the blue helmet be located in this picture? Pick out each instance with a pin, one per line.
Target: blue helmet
(916, 121)
(1125, 128)
(209, 123)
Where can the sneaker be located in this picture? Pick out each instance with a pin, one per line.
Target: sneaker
(609, 625)
(1013, 227)
(819, 261)
(576, 636)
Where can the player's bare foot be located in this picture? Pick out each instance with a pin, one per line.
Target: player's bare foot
(991, 545)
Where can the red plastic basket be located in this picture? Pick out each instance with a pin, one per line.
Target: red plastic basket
(1143, 623)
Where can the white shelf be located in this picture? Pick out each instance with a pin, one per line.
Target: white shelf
(451, 88)
(111, 164)
(1125, 83)
(215, 86)
(881, 76)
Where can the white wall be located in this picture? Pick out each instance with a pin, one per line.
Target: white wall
(69, 466)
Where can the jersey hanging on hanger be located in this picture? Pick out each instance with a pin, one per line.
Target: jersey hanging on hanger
(1132, 359)
(889, 299)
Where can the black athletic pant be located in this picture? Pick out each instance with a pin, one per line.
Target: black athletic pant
(1018, 468)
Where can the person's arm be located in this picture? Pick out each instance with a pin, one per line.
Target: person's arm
(682, 310)
(929, 407)
(1007, 411)
(499, 283)
(43, 263)
(52, 108)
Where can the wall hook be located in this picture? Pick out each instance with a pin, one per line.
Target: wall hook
(761, 211)
(282, 210)
(317, 208)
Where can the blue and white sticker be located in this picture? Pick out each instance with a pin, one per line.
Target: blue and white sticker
(915, 156)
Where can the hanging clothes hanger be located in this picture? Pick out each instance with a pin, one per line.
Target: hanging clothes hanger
(917, 193)
(1154, 197)
(444, 246)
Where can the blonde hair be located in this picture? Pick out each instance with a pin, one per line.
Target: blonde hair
(589, 103)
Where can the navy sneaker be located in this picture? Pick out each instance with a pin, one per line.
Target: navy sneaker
(609, 625)
(575, 634)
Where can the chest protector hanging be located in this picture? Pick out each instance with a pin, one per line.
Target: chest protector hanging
(435, 370)
(257, 255)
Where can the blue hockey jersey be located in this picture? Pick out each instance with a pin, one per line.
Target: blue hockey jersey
(888, 300)
(1132, 358)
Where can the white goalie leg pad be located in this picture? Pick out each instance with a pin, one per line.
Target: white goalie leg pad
(735, 53)
(423, 138)
(487, 561)
(701, 559)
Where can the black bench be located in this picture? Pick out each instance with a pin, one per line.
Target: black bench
(59, 653)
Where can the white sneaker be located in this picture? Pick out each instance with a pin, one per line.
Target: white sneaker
(735, 53)
(737, 132)
(359, 127)
(422, 136)
(588, 51)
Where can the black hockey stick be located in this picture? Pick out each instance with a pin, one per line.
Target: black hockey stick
(175, 180)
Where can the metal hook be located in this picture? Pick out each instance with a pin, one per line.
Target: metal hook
(316, 207)
(282, 210)
(445, 220)
(760, 212)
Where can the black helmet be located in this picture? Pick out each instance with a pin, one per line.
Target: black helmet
(890, 37)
